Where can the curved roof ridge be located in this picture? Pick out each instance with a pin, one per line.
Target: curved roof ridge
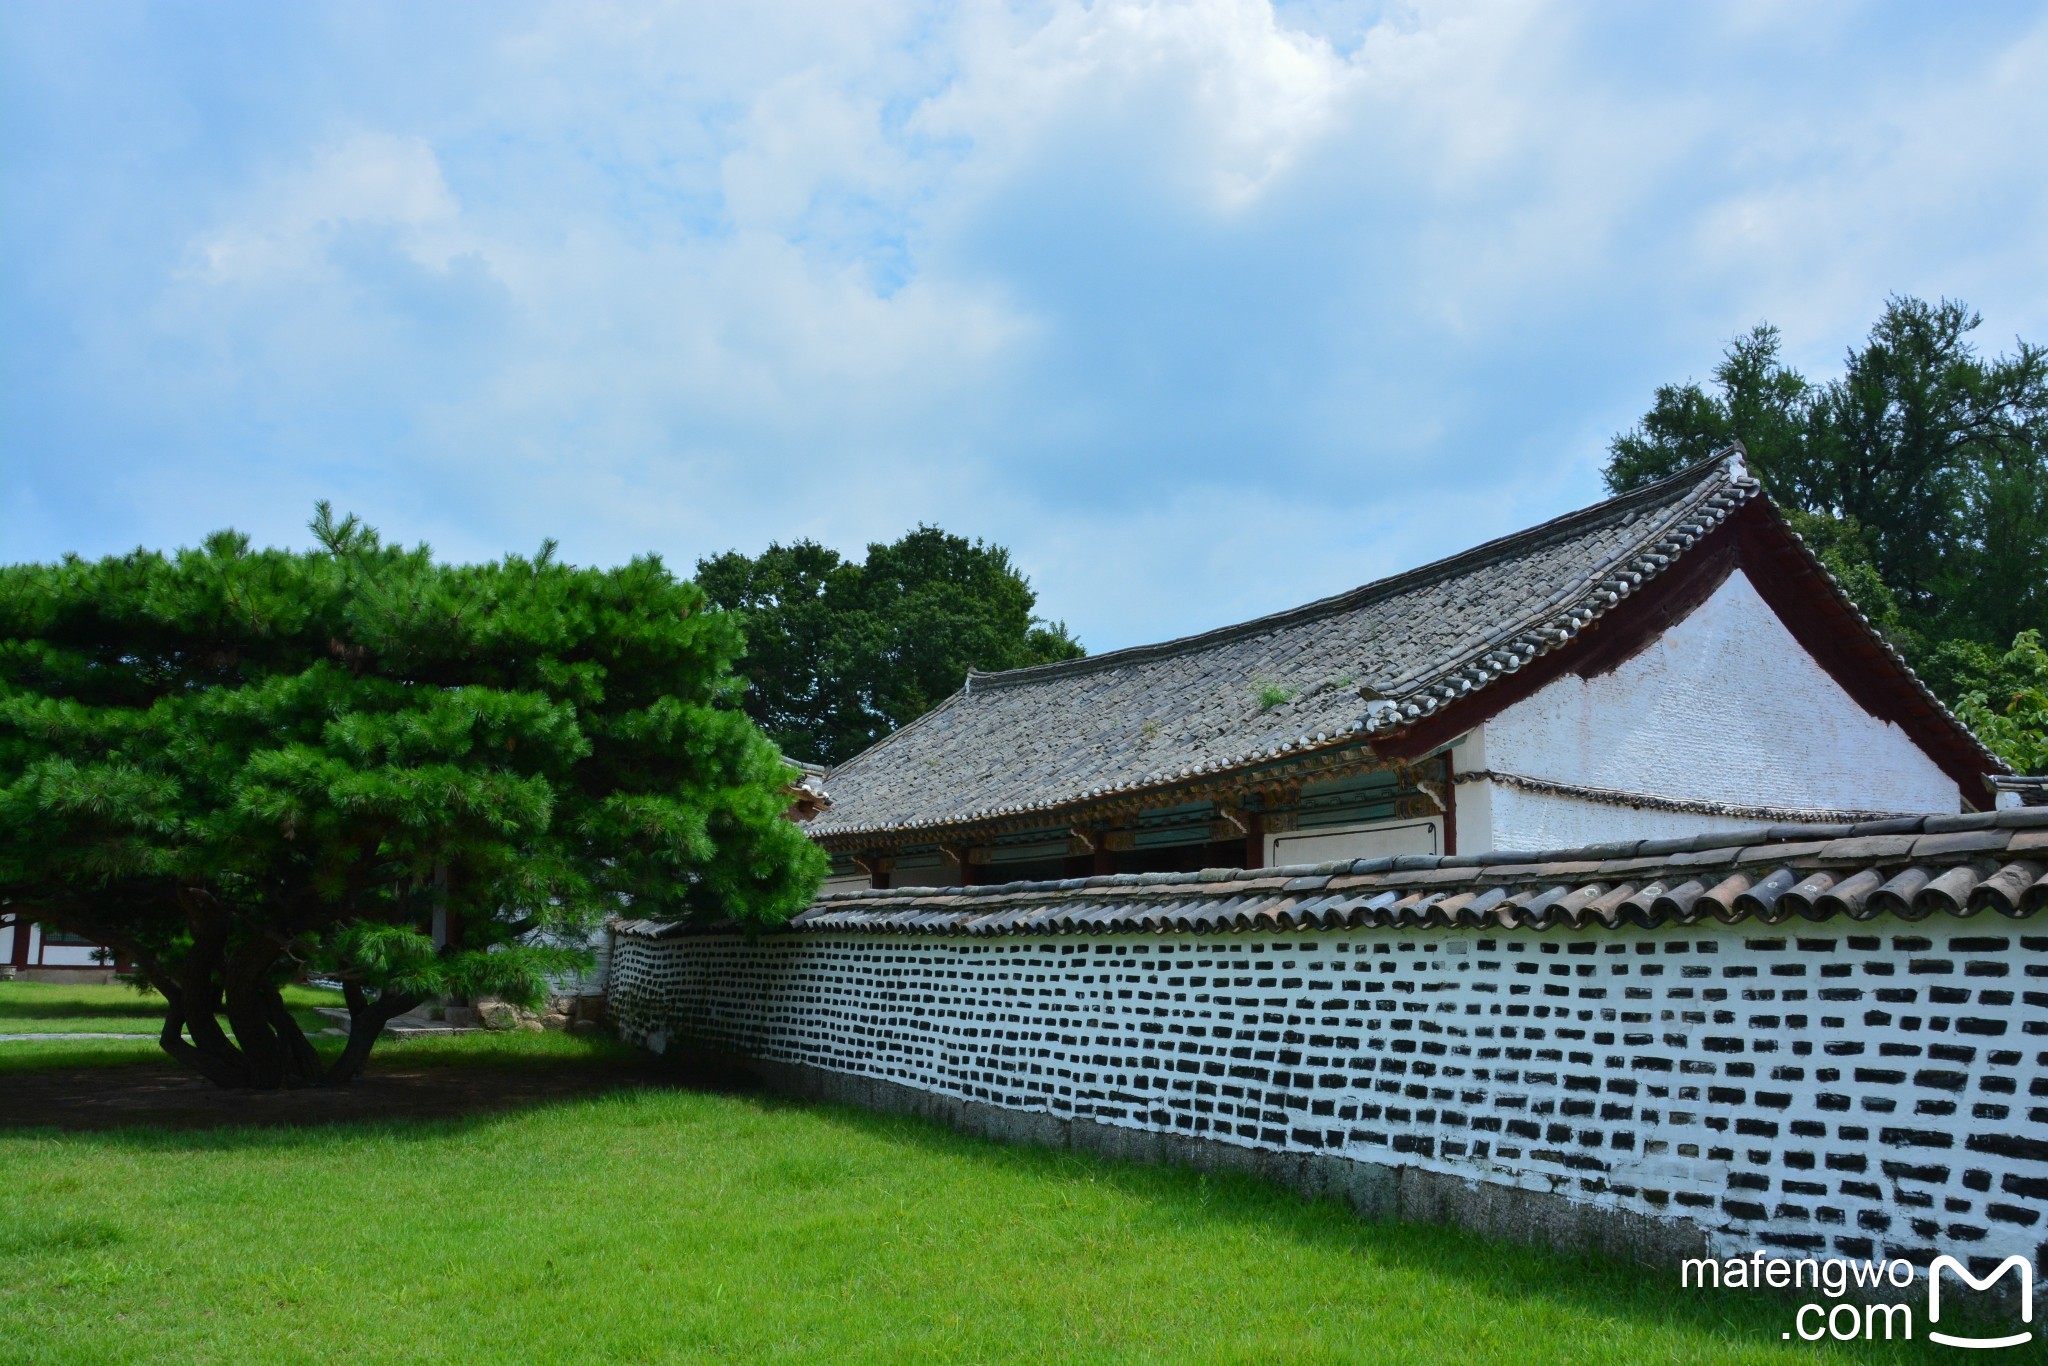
(1588, 587)
(1464, 561)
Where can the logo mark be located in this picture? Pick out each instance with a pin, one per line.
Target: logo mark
(2020, 1264)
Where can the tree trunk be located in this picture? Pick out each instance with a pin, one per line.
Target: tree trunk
(268, 1049)
(366, 1020)
(214, 977)
(249, 996)
(306, 1067)
(221, 1072)
(198, 1004)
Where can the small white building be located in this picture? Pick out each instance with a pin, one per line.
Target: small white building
(1670, 662)
(40, 953)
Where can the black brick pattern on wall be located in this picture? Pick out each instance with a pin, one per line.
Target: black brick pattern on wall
(1869, 1090)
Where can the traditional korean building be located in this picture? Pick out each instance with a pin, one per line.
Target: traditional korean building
(35, 952)
(1674, 661)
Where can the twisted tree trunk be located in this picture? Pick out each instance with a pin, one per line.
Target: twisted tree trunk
(263, 1048)
(367, 1017)
(225, 969)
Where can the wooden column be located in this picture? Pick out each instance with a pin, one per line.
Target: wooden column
(1087, 854)
(437, 918)
(1254, 839)
(961, 856)
(19, 957)
(1450, 806)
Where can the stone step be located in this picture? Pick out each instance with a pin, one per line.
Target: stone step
(411, 1023)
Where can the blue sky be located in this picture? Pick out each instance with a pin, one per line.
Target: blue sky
(1204, 309)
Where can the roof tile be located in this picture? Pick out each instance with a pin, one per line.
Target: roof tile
(1059, 734)
(1937, 874)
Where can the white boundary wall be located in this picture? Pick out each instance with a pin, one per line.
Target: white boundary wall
(1860, 1090)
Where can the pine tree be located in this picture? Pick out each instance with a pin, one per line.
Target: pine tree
(237, 766)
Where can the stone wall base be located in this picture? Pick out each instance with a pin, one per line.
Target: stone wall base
(67, 977)
(1373, 1190)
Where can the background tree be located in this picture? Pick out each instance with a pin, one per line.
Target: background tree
(842, 652)
(236, 766)
(1920, 476)
(2010, 712)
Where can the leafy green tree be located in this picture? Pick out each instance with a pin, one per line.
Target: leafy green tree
(237, 766)
(791, 598)
(2008, 703)
(842, 652)
(1920, 475)
(1757, 399)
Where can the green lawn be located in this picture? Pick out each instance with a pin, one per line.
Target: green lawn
(664, 1224)
(439, 1050)
(44, 1008)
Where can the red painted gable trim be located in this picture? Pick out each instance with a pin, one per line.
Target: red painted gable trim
(1756, 540)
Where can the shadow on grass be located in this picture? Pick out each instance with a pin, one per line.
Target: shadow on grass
(121, 1089)
(138, 1007)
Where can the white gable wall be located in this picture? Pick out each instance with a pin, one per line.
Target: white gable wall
(1725, 707)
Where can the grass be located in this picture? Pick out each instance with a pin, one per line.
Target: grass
(47, 1008)
(1271, 695)
(517, 1049)
(42, 1008)
(26, 1055)
(660, 1224)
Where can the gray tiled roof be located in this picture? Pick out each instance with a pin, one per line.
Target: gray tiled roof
(1033, 739)
(1989, 864)
(2030, 791)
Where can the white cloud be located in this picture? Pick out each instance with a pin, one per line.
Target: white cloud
(1244, 94)
(1914, 185)
(1204, 307)
(803, 137)
(371, 179)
